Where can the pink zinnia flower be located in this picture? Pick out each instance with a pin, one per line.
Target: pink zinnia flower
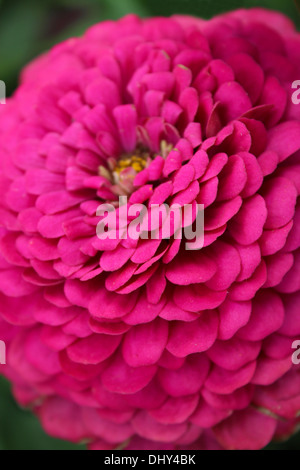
(142, 344)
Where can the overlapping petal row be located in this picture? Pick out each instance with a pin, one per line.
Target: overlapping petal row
(140, 343)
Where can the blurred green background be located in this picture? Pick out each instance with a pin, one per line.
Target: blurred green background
(29, 27)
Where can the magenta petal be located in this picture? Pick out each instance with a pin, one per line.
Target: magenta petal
(237, 400)
(105, 304)
(291, 280)
(172, 312)
(207, 416)
(103, 91)
(159, 81)
(269, 370)
(175, 410)
(215, 166)
(190, 270)
(143, 311)
(277, 267)
(221, 213)
(183, 178)
(249, 74)
(247, 429)
(149, 428)
(120, 277)
(222, 381)
(156, 286)
(13, 284)
(173, 162)
(246, 290)
(267, 316)
(161, 193)
(144, 344)
(228, 264)
(121, 378)
(40, 181)
(126, 119)
(234, 354)
(284, 139)
(104, 428)
(197, 298)
(208, 192)
(155, 168)
(274, 240)
(52, 203)
(291, 323)
(145, 251)
(247, 226)
(140, 344)
(62, 418)
(94, 349)
(232, 178)
(254, 174)
(114, 260)
(233, 316)
(234, 99)
(250, 259)
(280, 196)
(186, 380)
(193, 337)
(268, 162)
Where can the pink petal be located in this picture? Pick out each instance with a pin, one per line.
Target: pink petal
(186, 380)
(147, 427)
(193, 337)
(284, 139)
(222, 381)
(247, 429)
(126, 119)
(234, 353)
(121, 378)
(144, 344)
(228, 264)
(267, 316)
(207, 416)
(190, 269)
(234, 99)
(175, 410)
(247, 226)
(198, 298)
(233, 316)
(280, 196)
(94, 349)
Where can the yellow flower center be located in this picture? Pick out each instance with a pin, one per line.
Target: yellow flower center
(137, 161)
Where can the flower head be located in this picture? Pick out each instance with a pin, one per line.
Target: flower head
(140, 343)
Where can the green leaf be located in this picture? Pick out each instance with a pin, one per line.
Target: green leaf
(21, 430)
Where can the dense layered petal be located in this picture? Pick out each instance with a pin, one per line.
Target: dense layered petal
(163, 342)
